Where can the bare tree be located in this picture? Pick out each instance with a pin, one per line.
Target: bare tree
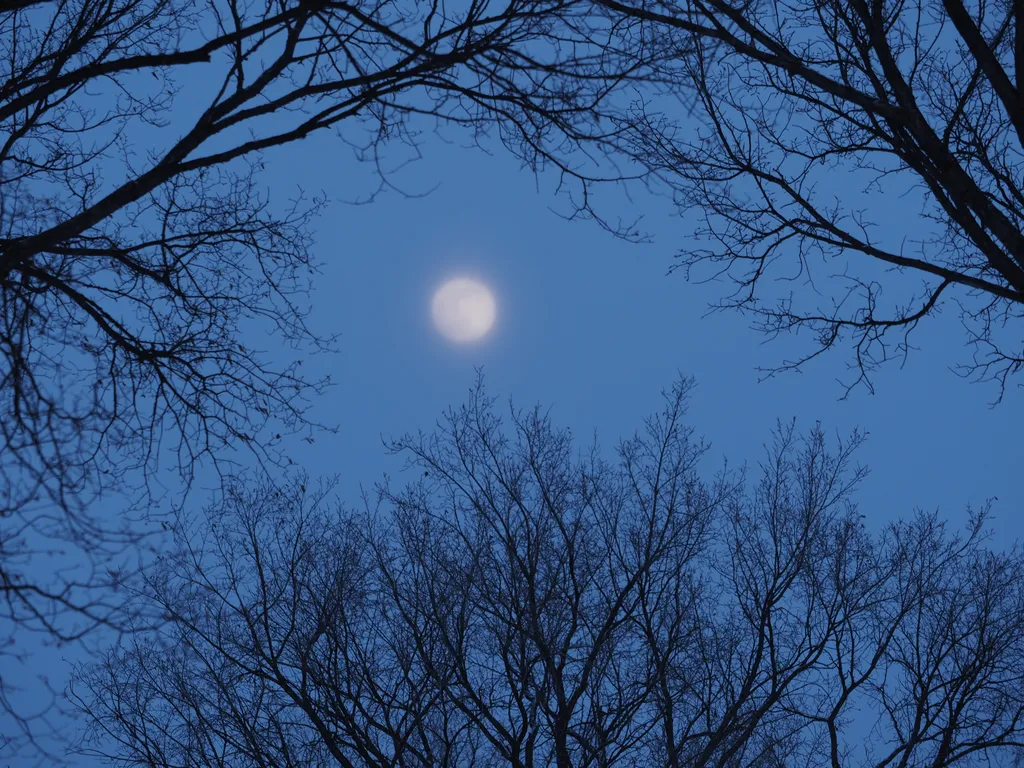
(136, 244)
(815, 118)
(524, 604)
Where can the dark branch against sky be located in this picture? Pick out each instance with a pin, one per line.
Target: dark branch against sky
(185, 293)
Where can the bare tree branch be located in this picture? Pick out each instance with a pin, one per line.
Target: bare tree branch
(522, 603)
(128, 274)
(813, 118)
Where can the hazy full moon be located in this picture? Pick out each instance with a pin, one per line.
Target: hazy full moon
(464, 310)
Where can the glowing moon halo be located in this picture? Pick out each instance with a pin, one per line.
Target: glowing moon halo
(464, 310)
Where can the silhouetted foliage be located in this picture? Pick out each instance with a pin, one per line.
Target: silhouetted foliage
(136, 244)
(805, 112)
(525, 604)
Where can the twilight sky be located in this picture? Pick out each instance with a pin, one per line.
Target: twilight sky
(593, 327)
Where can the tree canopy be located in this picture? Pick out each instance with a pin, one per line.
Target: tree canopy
(141, 258)
(810, 122)
(521, 602)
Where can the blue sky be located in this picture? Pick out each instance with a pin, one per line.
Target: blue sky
(593, 327)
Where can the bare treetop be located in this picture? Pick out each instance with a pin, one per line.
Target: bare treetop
(522, 604)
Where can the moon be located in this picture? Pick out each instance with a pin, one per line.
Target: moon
(464, 310)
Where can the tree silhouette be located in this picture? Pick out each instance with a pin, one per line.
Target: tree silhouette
(813, 119)
(136, 244)
(525, 604)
